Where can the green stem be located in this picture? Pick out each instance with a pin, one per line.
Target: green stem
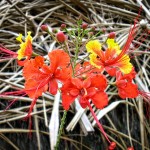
(61, 129)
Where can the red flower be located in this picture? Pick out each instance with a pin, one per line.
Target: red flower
(89, 88)
(126, 88)
(40, 77)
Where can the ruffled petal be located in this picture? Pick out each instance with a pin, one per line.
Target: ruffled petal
(129, 90)
(74, 92)
(62, 74)
(95, 62)
(93, 47)
(31, 68)
(83, 102)
(99, 81)
(53, 86)
(67, 100)
(25, 47)
(22, 62)
(111, 71)
(112, 45)
(67, 86)
(77, 82)
(58, 58)
(100, 100)
(130, 75)
(124, 64)
(87, 82)
(91, 91)
(35, 88)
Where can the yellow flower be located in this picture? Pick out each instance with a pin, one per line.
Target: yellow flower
(25, 47)
(113, 57)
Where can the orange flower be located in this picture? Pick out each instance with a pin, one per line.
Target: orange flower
(25, 50)
(113, 57)
(85, 89)
(40, 77)
(126, 88)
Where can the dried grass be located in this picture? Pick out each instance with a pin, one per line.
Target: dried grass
(125, 122)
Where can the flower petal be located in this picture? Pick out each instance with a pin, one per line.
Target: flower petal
(87, 82)
(31, 68)
(67, 99)
(74, 92)
(99, 81)
(35, 88)
(58, 58)
(77, 82)
(100, 100)
(25, 47)
(53, 86)
(63, 73)
(124, 64)
(91, 91)
(93, 47)
(95, 62)
(128, 91)
(83, 102)
(112, 45)
(111, 71)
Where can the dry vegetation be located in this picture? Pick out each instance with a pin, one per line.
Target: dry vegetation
(126, 122)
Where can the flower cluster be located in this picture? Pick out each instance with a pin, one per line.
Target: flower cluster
(84, 79)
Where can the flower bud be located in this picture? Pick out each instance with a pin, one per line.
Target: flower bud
(84, 26)
(91, 34)
(103, 30)
(61, 36)
(112, 35)
(44, 27)
(54, 30)
(63, 26)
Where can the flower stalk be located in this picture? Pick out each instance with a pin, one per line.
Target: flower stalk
(61, 129)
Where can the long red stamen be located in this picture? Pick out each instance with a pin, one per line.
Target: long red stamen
(7, 51)
(131, 36)
(97, 121)
(140, 40)
(12, 103)
(24, 93)
(146, 98)
(31, 108)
